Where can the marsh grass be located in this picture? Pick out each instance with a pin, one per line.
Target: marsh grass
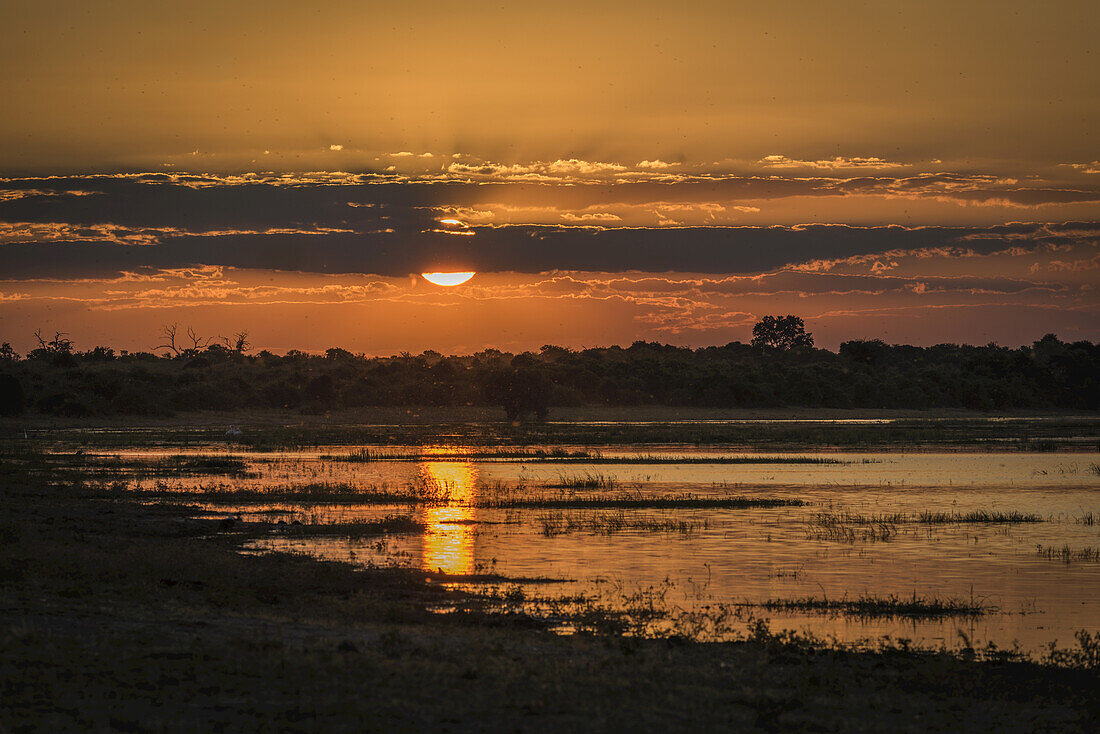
(978, 516)
(184, 464)
(787, 573)
(78, 465)
(588, 480)
(304, 493)
(1085, 656)
(848, 518)
(1072, 469)
(359, 456)
(927, 517)
(422, 492)
(1067, 555)
(585, 456)
(914, 607)
(869, 533)
(611, 523)
(740, 459)
(847, 527)
(391, 524)
(641, 502)
(365, 455)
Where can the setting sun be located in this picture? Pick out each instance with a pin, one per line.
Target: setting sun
(448, 279)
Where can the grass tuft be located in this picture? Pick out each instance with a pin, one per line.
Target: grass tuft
(389, 524)
(1068, 555)
(588, 480)
(641, 502)
(585, 456)
(610, 523)
(978, 516)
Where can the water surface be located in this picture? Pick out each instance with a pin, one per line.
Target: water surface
(736, 556)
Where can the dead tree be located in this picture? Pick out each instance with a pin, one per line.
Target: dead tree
(170, 334)
(238, 342)
(60, 344)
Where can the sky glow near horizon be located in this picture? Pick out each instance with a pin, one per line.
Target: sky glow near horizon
(917, 173)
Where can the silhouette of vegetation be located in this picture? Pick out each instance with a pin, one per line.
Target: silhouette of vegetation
(523, 391)
(195, 372)
(564, 456)
(868, 606)
(58, 351)
(781, 332)
(11, 395)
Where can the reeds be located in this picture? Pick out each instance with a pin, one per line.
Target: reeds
(610, 523)
(848, 518)
(846, 527)
(588, 480)
(564, 456)
(98, 465)
(391, 524)
(365, 455)
(640, 502)
(914, 607)
(312, 492)
(978, 516)
(848, 534)
(926, 517)
(1068, 555)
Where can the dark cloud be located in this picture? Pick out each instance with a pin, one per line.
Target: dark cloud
(522, 249)
(78, 226)
(251, 201)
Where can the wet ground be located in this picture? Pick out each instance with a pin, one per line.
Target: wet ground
(1013, 535)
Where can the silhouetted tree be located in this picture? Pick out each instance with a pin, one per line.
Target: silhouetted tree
(238, 343)
(181, 346)
(58, 350)
(781, 332)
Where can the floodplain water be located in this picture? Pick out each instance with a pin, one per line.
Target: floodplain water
(858, 533)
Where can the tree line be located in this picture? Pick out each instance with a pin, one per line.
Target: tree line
(195, 373)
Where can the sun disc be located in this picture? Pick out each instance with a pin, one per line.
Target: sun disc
(447, 279)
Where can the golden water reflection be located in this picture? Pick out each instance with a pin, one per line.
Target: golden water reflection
(450, 533)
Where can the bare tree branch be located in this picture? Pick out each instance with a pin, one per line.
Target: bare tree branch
(238, 343)
(176, 344)
(168, 334)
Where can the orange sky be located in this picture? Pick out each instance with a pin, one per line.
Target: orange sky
(918, 172)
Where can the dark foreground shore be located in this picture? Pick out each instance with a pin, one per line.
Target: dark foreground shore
(118, 616)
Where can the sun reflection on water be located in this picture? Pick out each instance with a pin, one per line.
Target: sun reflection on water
(449, 534)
